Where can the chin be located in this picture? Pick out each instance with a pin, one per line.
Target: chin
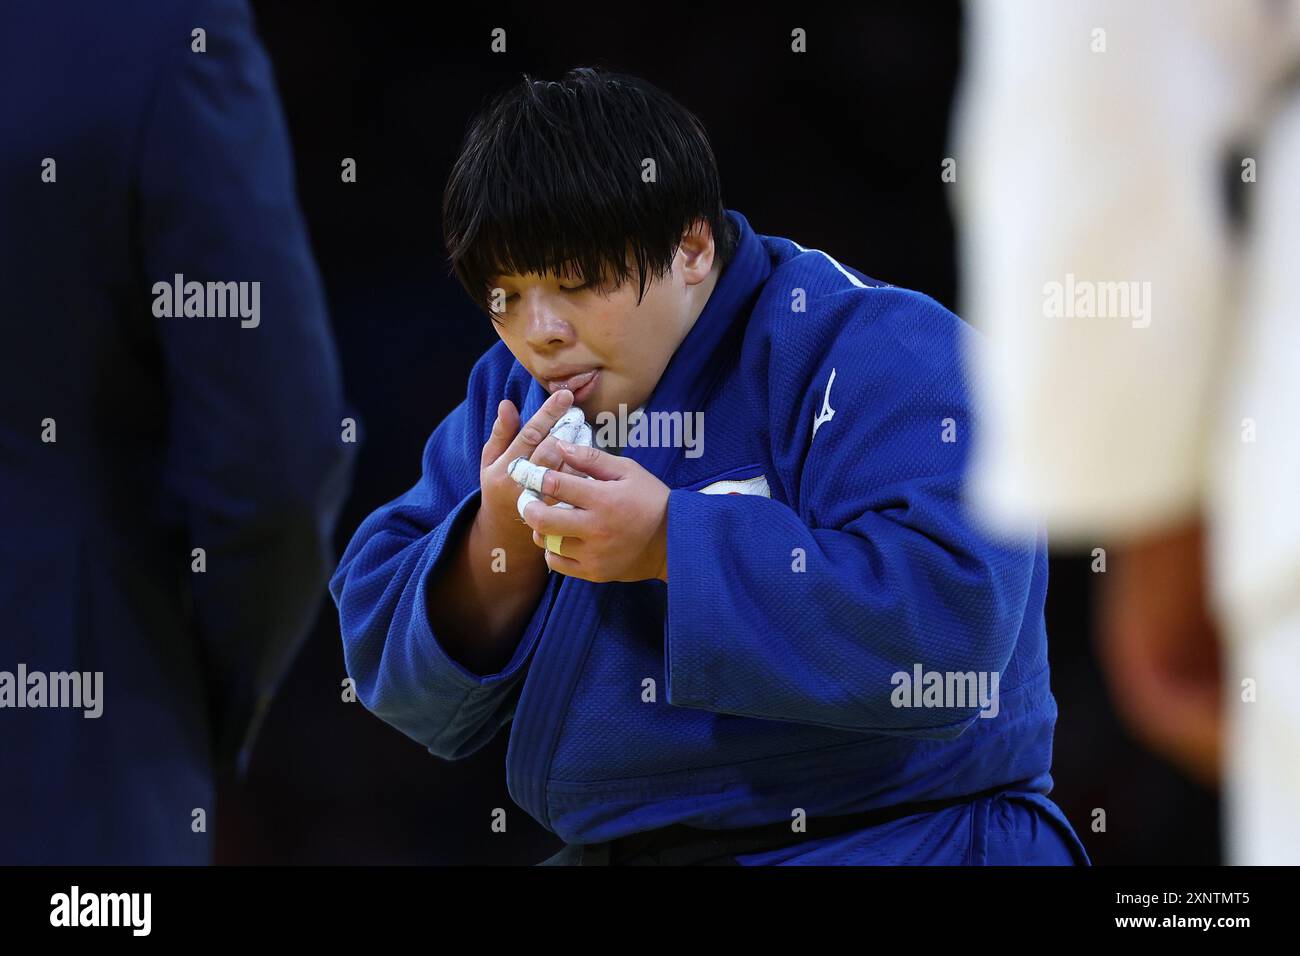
(592, 406)
(596, 402)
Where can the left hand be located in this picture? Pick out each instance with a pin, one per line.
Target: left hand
(617, 529)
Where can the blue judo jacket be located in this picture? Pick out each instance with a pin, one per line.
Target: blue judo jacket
(836, 406)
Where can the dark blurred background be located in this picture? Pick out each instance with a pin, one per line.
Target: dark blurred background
(838, 148)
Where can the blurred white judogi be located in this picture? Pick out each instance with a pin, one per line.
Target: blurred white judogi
(1108, 167)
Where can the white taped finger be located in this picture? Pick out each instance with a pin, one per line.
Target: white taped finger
(526, 474)
(526, 497)
(573, 428)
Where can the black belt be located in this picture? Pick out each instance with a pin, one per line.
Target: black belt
(682, 845)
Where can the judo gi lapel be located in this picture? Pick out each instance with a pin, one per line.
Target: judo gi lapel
(575, 616)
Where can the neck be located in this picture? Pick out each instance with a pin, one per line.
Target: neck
(701, 294)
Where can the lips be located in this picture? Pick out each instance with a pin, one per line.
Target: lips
(572, 381)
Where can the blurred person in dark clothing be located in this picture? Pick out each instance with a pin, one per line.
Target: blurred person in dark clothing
(172, 445)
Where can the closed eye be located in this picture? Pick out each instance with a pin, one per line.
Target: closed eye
(565, 288)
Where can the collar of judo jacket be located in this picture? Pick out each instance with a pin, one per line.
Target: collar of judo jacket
(578, 606)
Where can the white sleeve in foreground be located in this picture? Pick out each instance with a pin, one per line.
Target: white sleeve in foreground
(1096, 254)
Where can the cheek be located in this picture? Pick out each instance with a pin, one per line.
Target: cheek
(516, 346)
(631, 339)
(652, 335)
(609, 334)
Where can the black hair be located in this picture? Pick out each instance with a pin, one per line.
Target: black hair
(549, 179)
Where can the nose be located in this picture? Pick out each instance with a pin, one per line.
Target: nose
(544, 328)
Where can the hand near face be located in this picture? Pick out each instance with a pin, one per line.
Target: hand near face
(509, 441)
(617, 529)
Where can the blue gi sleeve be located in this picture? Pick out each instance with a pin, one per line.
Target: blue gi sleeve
(255, 454)
(806, 611)
(402, 673)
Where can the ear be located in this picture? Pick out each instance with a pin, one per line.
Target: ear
(696, 252)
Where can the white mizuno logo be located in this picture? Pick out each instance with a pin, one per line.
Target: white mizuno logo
(827, 413)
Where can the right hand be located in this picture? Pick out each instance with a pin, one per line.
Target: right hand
(1159, 648)
(500, 494)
